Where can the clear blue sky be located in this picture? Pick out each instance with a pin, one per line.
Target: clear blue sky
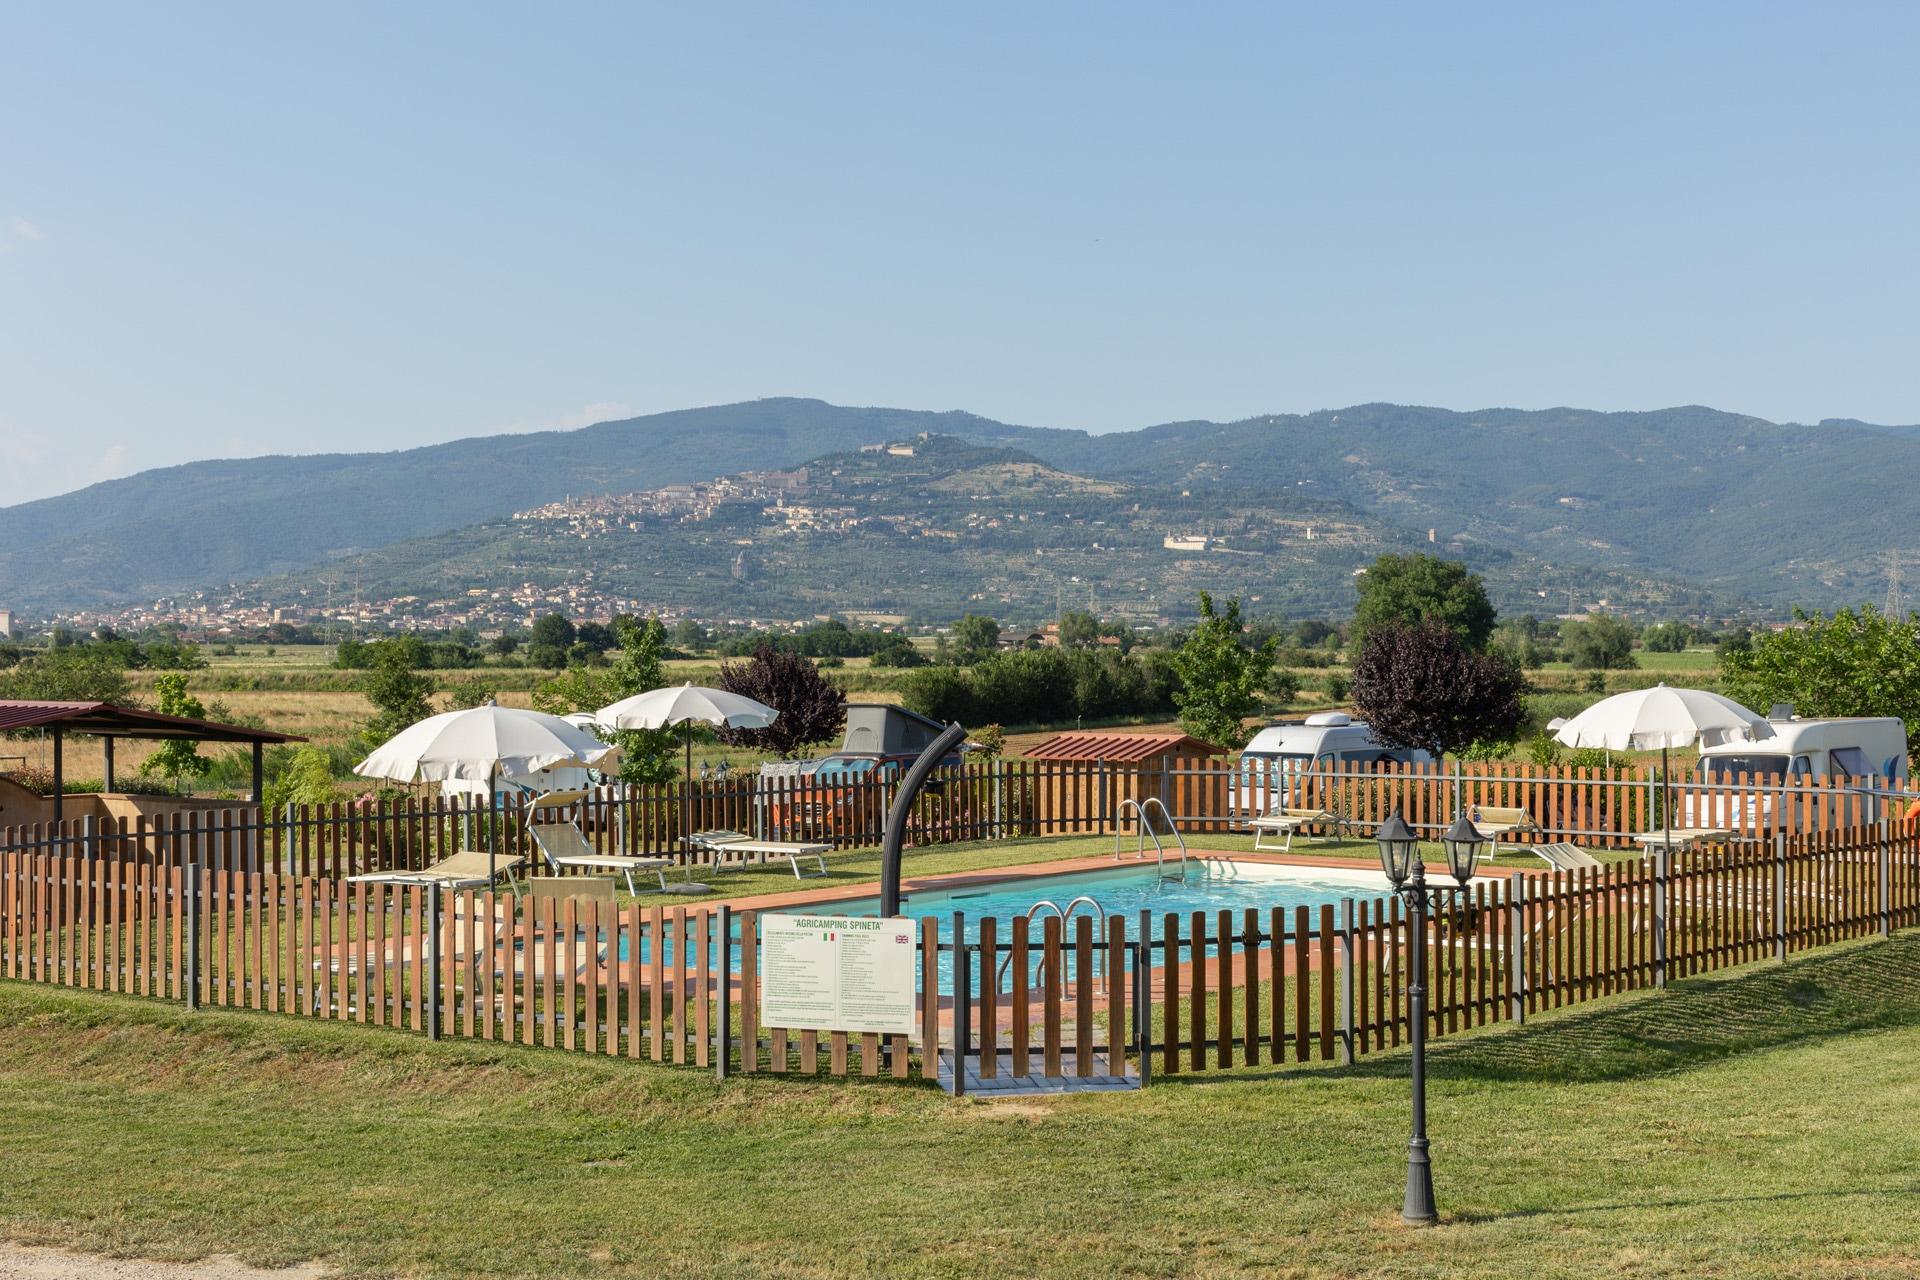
(239, 229)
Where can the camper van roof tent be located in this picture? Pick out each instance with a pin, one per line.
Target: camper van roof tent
(882, 730)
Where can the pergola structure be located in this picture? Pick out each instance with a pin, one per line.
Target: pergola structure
(110, 723)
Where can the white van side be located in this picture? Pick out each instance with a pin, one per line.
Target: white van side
(1281, 752)
(1844, 749)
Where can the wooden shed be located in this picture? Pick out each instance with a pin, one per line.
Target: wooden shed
(1096, 770)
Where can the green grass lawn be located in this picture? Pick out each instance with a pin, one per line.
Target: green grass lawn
(1757, 1124)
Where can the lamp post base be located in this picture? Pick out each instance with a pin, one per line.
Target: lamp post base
(1418, 1210)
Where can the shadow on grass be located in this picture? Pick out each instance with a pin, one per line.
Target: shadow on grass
(1689, 1202)
(1867, 987)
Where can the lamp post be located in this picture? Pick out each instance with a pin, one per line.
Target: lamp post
(1400, 859)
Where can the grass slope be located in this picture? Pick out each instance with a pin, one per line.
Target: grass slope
(1744, 1126)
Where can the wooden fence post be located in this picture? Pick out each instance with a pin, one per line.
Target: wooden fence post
(1143, 998)
(723, 1031)
(962, 991)
(1780, 895)
(1516, 949)
(433, 974)
(1661, 879)
(1346, 981)
(1884, 864)
(190, 879)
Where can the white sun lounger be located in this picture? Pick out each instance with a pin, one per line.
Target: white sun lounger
(1683, 837)
(467, 869)
(566, 848)
(1493, 821)
(719, 842)
(1565, 856)
(1285, 821)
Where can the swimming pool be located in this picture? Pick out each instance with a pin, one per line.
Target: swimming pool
(1211, 885)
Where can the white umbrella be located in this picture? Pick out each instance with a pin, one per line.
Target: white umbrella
(686, 705)
(479, 744)
(1642, 719)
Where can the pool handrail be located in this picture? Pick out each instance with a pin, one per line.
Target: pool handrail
(1144, 831)
(1099, 956)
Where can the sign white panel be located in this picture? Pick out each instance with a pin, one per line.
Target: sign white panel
(835, 973)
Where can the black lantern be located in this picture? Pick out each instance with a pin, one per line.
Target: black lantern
(1463, 843)
(1399, 851)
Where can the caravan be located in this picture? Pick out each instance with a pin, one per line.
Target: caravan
(1281, 752)
(1841, 750)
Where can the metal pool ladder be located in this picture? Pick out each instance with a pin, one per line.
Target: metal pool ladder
(1099, 956)
(1143, 811)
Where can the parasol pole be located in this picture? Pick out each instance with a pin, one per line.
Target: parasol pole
(1666, 795)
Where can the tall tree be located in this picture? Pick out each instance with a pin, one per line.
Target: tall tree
(71, 674)
(176, 759)
(1600, 643)
(1400, 590)
(1422, 686)
(974, 637)
(812, 708)
(1855, 663)
(398, 692)
(646, 755)
(1079, 629)
(1221, 679)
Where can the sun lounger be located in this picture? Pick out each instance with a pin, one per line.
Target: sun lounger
(1285, 821)
(1565, 856)
(1492, 822)
(467, 869)
(736, 842)
(564, 848)
(1682, 837)
(553, 823)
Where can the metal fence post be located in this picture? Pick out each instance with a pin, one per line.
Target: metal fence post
(999, 799)
(1662, 873)
(89, 838)
(287, 838)
(1143, 998)
(1780, 895)
(191, 888)
(962, 1002)
(1346, 981)
(724, 1031)
(1516, 950)
(433, 962)
(1884, 860)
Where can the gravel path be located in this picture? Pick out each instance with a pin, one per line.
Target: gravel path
(28, 1262)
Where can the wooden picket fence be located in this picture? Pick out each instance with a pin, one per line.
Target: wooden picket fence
(1001, 800)
(1149, 995)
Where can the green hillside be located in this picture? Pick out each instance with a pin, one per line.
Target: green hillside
(209, 523)
(1746, 509)
(956, 527)
(1782, 514)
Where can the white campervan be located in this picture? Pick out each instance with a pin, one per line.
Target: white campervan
(1280, 752)
(1846, 750)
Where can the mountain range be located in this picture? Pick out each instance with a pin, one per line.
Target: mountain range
(1700, 508)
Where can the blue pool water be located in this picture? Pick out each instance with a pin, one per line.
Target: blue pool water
(1211, 885)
